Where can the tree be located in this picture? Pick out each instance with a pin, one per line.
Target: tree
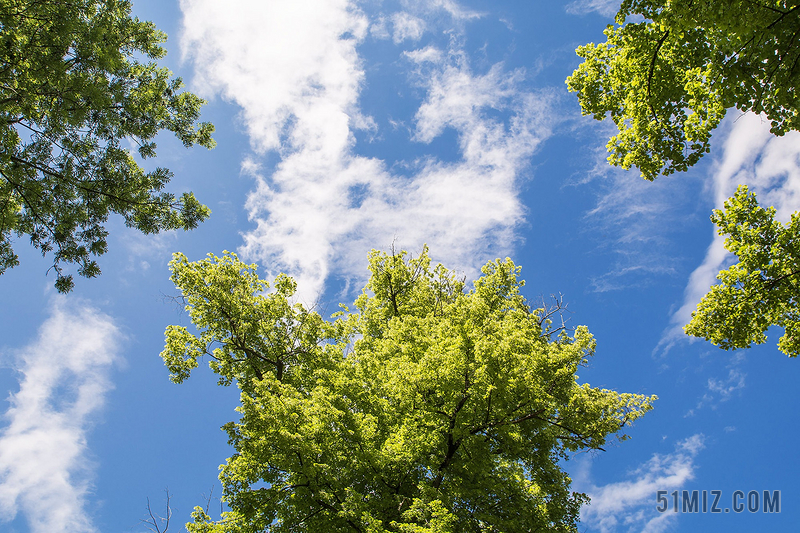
(78, 84)
(759, 291)
(670, 69)
(425, 409)
(666, 75)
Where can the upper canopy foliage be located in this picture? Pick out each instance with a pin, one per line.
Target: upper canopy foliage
(666, 81)
(759, 291)
(78, 83)
(427, 409)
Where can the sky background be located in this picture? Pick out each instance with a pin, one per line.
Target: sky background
(344, 126)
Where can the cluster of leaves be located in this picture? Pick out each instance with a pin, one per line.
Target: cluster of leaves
(759, 291)
(670, 69)
(426, 409)
(73, 92)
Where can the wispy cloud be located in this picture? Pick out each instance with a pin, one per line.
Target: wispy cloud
(456, 11)
(770, 167)
(636, 220)
(725, 387)
(144, 250)
(418, 16)
(44, 469)
(630, 505)
(722, 389)
(407, 26)
(324, 205)
(607, 8)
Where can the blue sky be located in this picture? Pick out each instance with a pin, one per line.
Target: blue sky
(344, 126)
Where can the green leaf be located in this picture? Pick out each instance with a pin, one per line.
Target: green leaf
(71, 79)
(428, 409)
(667, 81)
(759, 291)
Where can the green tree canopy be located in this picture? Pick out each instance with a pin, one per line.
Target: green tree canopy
(666, 75)
(759, 291)
(670, 69)
(79, 84)
(425, 409)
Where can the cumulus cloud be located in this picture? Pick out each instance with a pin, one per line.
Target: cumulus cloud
(323, 206)
(629, 505)
(292, 67)
(770, 167)
(44, 469)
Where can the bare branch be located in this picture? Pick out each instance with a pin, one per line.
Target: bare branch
(156, 523)
(546, 311)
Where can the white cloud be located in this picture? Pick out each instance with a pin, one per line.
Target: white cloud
(722, 389)
(325, 206)
(630, 505)
(407, 26)
(635, 218)
(291, 66)
(44, 469)
(144, 250)
(419, 16)
(607, 8)
(770, 167)
(456, 11)
(725, 387)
